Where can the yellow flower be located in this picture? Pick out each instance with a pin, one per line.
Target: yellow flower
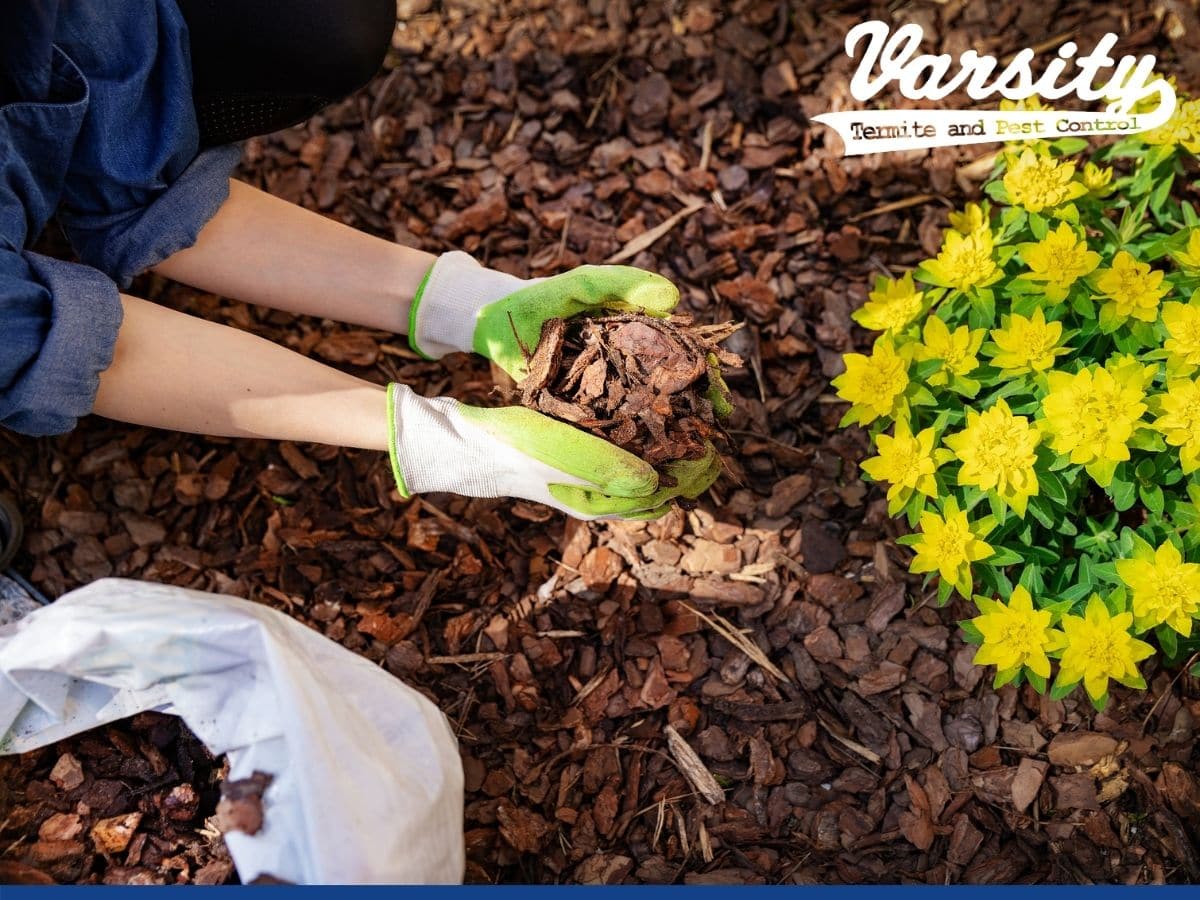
(1182, 321)
(1097, 179)
(892, 305)
(1166, 590)
(947, 544)
(1133, 287)
(1115, 90)
(997, 450)
(906, 462)
(1097, 647)
(956, 349)
(1060, 259)
(970, 220)
(1180, 421)
(1181, 130)
(1189, 258)
(965, 261)
(1016, 635)
(1038, 182)
(1092, 414)
(1026, 104)
(1027, 344)
(874, 384)
(1130, 372)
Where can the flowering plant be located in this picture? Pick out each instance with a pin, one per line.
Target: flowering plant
(1033, 402)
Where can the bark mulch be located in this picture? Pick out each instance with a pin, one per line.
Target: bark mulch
(748, 691)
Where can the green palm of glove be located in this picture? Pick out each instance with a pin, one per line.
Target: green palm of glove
(692, 478)
(509, 329)
(616, 483)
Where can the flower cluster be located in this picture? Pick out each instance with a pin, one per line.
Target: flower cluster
(1033, 400)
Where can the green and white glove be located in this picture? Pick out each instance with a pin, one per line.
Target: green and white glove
(463, 306)
(511, 451)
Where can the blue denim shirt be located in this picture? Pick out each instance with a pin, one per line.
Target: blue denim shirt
(96, 123)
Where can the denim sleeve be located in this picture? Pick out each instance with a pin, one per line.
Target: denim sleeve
(138, 188)
(59, 322)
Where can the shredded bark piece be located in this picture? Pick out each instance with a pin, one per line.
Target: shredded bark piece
(645, 384)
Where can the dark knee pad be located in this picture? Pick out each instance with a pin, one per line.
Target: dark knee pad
(358, 42)
(321, 48)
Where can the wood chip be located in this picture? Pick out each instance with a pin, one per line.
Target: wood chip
(692, 768)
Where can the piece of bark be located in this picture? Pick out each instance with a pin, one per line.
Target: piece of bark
(640, 382)
(1080, 748)
(693, 768)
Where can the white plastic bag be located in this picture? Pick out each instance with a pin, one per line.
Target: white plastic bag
(367, 778)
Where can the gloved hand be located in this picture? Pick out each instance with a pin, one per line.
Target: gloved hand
(511, 451)
(463, 306)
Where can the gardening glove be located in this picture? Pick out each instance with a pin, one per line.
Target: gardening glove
(463, 306)
(511, 451)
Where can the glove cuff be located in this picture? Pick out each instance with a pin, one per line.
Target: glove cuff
(442, 318)
(433, 449)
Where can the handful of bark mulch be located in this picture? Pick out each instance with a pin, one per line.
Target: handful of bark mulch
(651, 386)
(140, 801)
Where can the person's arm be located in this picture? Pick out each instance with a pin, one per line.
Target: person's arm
(266, 251)
(174, 371)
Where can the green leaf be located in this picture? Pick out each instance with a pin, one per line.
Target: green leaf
(973, 634)
(1031, 580)
(1052, 487)
(919, 395)
(1152, 497)
(1068, 146)
(1109, 230)
(1073, 595)
(971, 497)
(1040, 510)
(945, 589)
(925, 368)
(1168, 640)
(1059, 691)
(1087, 571)
(1006, 677)
(1004, 556)
(983, 310)
(924, 275)
(1122, 493)
(1162, 191)
(1039, 226)
(1145, 439)
(914, 508)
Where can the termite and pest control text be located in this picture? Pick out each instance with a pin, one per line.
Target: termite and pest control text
(863, 131)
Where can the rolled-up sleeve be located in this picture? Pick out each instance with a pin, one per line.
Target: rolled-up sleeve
(96, 120)
(138, 189)
(59, 322)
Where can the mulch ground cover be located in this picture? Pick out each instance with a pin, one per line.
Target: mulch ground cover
(748, 691)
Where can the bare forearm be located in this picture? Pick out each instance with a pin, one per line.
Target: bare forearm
(264, 250)
(178, 372)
